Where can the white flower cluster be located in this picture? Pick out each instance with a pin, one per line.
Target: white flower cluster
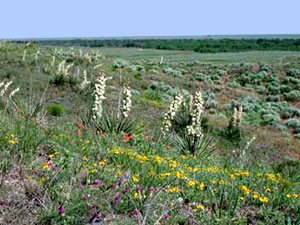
(249, 143)
(197, 109)
(24, 56)
(126, 106)
(237, 116)
(85, 82)
(5, 88)
(13, 92)
(99, 96)
(169, 116)
(63, 69)
(37, 56)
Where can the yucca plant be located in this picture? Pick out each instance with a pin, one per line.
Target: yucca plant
(202, 147)
(110, 123)
(186, 127)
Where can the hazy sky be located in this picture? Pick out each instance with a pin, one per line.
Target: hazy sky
(99, 18)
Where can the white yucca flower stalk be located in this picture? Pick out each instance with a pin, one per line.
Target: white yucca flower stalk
(4, 90)
(99, 96)
(169, 116)
(53, 61)
(1, 84)
(13, 92)
(249, 143)
(197, 109)
(240, 114)
(24, 56)
(85, 81)
(63, 69)
(126, 106)
(37, 55)
(237, 116)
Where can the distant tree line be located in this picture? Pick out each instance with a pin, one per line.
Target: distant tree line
(197, 45)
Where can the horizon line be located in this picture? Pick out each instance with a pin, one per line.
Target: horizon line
(145, 36)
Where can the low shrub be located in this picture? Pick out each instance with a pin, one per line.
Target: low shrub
(55, 110)
(292, 96)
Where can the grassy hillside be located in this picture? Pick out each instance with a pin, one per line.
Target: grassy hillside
(228, 155)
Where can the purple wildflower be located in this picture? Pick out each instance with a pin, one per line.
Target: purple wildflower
(126, 190)
(152, 190)
(166, 217)
(96, 182)
(121, 181)
(117, 197)
(61, 210)
(138, 188)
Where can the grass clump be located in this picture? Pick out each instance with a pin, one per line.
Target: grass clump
(55, 110)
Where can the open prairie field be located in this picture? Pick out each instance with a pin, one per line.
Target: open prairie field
(171, 56)
(148, 136)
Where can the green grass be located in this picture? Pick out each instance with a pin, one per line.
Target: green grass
(188, 56)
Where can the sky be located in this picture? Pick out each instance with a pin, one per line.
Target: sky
(119, 18)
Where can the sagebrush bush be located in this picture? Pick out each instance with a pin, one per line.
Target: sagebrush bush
(292, 96)
(233, 84)
(173, 72)
(293, 123)
(293, 73)
(199, 76)
(270, 119)
(153, 95)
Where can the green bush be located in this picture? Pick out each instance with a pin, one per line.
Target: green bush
(292, 96)
(293, 123)
(272, 98)
(173, 72)
(55, 110)
(285, 88)
(199, 76)
(233, 84)
(153, 95)
(270, 119)
(293, 73)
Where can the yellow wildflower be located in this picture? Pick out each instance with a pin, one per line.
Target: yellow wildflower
(13, 142)
(135, 178)
(173, 164)
(241, 198)
(183, 157)
(192, 183)
(94, 171)
(201, 187)
(255, 195)
(116, 151)
(200, 207)
(288, 196)
(45, 166)
(173, 190)
(165, 175)
(142, 158)
(158, 159)
(136, 195)
(267, 189)
(295, 195)
(245, 190)
(102, 163)
(264, 199)
(271, 177)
